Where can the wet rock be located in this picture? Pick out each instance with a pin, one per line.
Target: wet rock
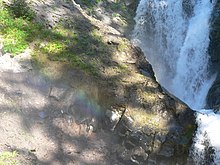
(143, 65)
(93, 125)
(213, 99)
(167, 151)
(214, 36)
(188, 7)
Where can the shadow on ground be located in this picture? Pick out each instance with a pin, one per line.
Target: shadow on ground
(53, 121)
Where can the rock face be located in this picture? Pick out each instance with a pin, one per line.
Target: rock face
(213, 99)
(214, 46)
(154, 128)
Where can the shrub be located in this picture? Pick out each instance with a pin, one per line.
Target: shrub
(19, 8)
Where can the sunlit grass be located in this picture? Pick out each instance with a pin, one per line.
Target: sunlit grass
(67, 42)
(58, 44)
(8, 158)
(54, 47)
(14, 33)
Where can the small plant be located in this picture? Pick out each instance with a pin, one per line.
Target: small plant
(19, 8)
(17, 32)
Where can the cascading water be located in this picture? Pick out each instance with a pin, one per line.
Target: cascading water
(174, 36)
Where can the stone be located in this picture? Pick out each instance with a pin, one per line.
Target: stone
(42, 115)
(57, 93)
(113, 118)
(19, 63)
(213, 99)
(93, 125)
(167, 151)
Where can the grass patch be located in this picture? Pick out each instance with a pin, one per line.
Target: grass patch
(74, 45)
(14, 33)
(7, 158)
(20, 9)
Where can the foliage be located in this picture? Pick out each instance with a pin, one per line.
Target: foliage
(60, 43)
(67, 45)
(16, 31)
(77, 42)
(19, 8)
(7, 158)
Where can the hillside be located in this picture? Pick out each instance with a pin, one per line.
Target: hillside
(75, 90)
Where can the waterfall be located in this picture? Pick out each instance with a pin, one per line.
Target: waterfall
(174, 36)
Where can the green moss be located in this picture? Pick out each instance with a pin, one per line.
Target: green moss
(185, 140)
(54, 47)
(189, 131)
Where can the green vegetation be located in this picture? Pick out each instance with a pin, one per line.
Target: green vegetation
(77, 43)
(69, 46)
(20, 9)
(88, 4)
(7, 158)
(67, 42)
(122, 46)
(16, 32)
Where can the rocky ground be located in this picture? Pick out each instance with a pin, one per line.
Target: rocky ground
(51, 121)
(67, 116)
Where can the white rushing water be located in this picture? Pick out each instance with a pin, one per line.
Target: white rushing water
(174, 36)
